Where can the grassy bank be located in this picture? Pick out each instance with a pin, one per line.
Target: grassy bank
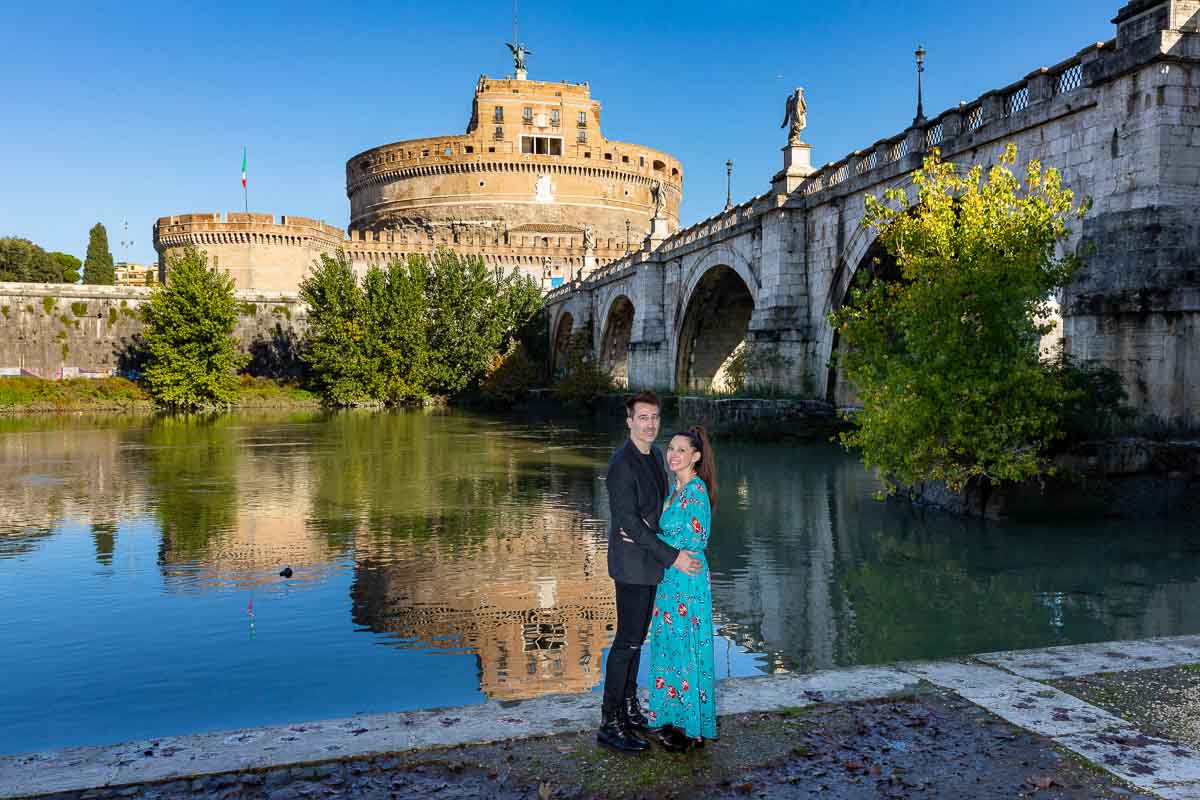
(25, 395)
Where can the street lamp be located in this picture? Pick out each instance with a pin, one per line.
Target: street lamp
(728, 185)
(628, 247)
(920, 118)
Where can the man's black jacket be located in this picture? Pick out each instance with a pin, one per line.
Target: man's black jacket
(635, 503)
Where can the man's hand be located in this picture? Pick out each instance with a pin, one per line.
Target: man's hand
(687, 563)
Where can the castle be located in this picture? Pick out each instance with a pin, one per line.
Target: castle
(533, 185)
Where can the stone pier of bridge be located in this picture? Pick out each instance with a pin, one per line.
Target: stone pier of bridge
(745, 295)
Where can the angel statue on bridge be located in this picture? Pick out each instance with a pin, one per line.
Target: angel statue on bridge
(519, 52)
(795, 114)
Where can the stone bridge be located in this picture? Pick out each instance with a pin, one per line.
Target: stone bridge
(1119, 119)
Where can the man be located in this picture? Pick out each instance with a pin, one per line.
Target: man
(637, 558)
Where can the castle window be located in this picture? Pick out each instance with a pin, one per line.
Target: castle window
(527, 113)
(659, 166)
(499, 117)
(554, 117)
(641, 161)
(587, 155)
(624, 159)
(498, 133)
(541, 145)
(583, 119)
(468, 148)
(491, 149)
(425, 153)
(581, 136)
(608, 156)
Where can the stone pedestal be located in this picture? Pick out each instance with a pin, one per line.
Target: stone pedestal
(659, 231)
(522, 75)
(797, 165)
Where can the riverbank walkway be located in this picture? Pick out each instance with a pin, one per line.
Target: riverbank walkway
(1114, 719)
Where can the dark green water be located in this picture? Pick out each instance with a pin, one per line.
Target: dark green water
(442, 558)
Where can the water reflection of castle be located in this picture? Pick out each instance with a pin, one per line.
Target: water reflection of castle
(535, 605)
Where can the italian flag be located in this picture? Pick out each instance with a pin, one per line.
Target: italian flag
(243, 168)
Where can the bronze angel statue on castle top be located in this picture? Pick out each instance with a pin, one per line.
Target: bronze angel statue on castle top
(519, 52)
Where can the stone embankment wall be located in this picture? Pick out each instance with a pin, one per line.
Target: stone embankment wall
(1125, 478)
(64, 331)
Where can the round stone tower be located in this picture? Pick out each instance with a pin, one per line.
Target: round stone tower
(526, 182)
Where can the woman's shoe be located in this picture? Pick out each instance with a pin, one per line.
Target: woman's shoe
(669, 738)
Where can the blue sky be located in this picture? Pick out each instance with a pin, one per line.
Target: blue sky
(138, 110)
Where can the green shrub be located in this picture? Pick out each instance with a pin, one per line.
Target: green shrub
(79, 309)
(48, 304)
(4, 311)
(510, 375)
(753, 368)
(248, 309)
(1095, 399)
(112, 316)
(584, 380)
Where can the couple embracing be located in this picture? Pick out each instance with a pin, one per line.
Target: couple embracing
(661, 514)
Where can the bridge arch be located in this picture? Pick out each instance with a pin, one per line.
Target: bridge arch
(712, 327)
(614, 341)
(563, 329)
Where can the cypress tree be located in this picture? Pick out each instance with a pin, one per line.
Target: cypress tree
(98, 266)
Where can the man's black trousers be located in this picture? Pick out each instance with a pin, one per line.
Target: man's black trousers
(635, 604)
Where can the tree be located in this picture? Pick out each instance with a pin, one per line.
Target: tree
(70, 266)
(945, 360)
(335, 340)
(22, 260)
(473, 313)
(192, 359)
(398, 346)
(413, 328)
(98, 266)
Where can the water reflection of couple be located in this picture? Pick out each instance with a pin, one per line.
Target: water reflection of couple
(656, 543)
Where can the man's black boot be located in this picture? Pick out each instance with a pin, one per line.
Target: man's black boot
(614, 733)
(634, 717)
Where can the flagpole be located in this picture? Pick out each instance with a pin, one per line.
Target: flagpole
(245, 191)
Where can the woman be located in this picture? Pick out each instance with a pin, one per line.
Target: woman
(682, 682)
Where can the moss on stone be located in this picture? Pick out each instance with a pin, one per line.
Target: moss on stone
(79, 309)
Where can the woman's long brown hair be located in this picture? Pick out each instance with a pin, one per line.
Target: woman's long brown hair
(706, 467)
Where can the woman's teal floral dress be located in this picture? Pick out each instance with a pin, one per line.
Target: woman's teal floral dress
(681, 630)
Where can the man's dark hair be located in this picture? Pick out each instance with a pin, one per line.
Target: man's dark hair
(649, 398)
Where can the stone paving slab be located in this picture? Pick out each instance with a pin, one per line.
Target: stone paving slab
(1189, 645)
(1157, 765)
(1071, 661)
(772, 692)
(1032, 705)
